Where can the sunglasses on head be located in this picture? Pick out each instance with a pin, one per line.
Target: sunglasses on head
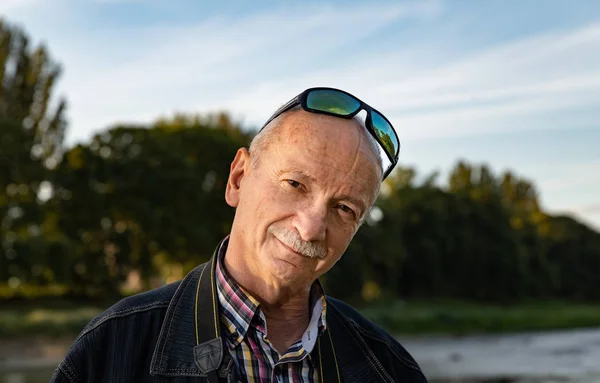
(335, 102)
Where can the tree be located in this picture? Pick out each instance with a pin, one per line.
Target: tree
(147, 199)
(31, 139)
(27, 79)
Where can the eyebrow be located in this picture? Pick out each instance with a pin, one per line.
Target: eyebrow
(362, 204)
(301, 174)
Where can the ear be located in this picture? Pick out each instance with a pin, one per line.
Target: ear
(237, 171)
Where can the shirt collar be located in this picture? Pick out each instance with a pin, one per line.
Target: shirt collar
(239, 310)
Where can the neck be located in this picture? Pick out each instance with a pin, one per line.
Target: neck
(286, 323)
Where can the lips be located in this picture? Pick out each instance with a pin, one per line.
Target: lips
(289, 248)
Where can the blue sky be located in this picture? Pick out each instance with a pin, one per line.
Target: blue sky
(514, 84)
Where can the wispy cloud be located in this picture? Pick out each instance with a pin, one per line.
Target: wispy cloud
(251, 64)
(174, 67)
(573, 175)
(515, 85)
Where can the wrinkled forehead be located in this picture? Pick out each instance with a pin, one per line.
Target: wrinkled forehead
(337, 145)
(327, 133)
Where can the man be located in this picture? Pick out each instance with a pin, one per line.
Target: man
(256, 311)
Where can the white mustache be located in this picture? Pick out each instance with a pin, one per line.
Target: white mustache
(293, 240)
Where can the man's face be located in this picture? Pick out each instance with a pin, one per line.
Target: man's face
(300, 206)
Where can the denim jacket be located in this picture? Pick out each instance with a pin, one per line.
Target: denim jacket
(171, 334)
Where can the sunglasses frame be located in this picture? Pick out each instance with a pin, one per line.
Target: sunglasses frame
(301, 100)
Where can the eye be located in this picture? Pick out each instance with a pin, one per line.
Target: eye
(294, 184)
(346, 210)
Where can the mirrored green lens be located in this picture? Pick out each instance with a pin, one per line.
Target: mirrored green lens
(386, 133)
(332, 101)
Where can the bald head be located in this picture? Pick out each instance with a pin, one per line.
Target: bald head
(348, 139)
(273, 132)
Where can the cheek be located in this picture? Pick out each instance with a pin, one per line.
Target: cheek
(271, 204)
(280, 201)
(338, 240)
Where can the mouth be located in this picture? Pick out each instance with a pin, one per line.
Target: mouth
(290, 249)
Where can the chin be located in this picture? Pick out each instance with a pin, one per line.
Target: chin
(286, 272)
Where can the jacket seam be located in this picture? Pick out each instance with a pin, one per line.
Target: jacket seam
(157, 359)
(407, 362)
(365, 349)
(223, 372)
(164, 344)
(178, 371)
(121, 314)
(67, 371)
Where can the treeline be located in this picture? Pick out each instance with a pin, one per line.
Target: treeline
(140, 206)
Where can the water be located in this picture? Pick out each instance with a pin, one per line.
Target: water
(549, 357)
(558, 356)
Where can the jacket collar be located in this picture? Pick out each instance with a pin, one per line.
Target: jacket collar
(189, 343)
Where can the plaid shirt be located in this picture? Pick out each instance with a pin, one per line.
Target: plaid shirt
(245, 330)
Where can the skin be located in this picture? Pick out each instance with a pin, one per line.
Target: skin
(315, 181)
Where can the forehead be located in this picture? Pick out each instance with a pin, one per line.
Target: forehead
(330, 148)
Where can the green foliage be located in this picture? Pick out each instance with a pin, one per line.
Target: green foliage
(146, 200)
(482, 238)
(31, 135)
(27, 78)
(398, 317)
(460, 318)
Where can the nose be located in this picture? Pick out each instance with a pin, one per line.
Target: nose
(311, 223)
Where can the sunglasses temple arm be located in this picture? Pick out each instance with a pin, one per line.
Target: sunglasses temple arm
(289, 105)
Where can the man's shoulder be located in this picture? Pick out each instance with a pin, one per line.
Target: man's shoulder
(385, 347)
(131, 324)
(156, 300)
